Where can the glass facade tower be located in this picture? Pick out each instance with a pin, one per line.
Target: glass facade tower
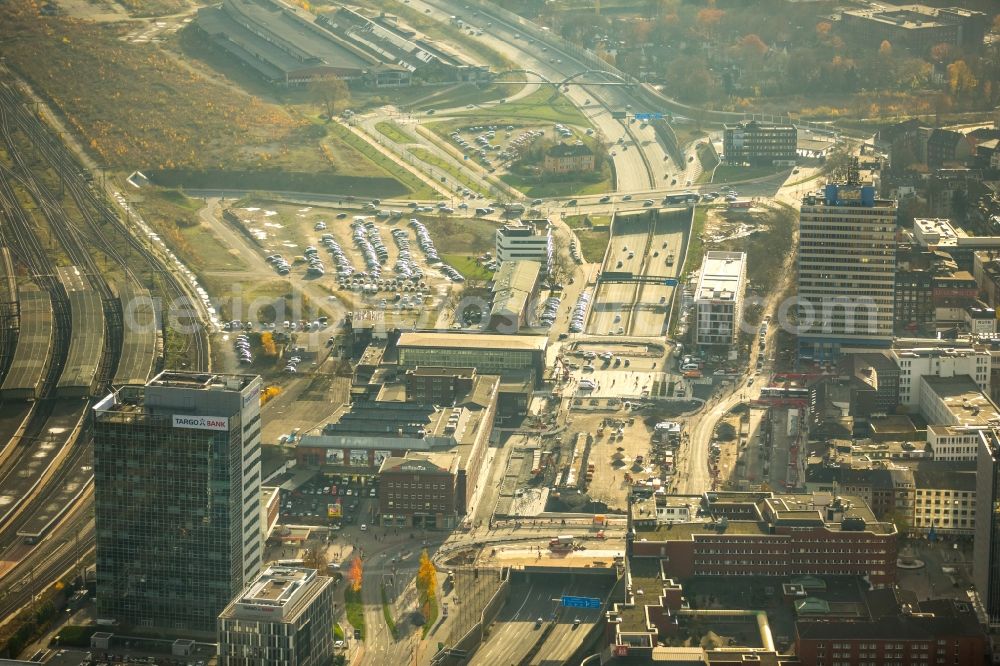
(177, 498)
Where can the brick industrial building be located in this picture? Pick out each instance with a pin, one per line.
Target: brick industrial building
(765, 534)
(569, 158)
(419, 490)
(939, 631)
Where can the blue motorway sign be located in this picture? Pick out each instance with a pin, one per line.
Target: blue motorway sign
(581, 602)
(670, 282)
(649, 116)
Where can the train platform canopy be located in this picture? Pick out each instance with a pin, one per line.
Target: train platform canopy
(139, 327)
(79, 375)
(31, 356)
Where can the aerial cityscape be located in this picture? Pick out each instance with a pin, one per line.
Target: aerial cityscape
(537, 332)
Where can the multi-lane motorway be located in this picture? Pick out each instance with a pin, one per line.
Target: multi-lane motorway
(644, 165)
(647, 243)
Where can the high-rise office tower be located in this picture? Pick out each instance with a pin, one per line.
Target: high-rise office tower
(986, 548)
(177, 498)
(846, 270)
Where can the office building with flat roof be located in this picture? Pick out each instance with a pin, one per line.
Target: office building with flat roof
(759, 143)
(915, 27)
(771, 534)
(285, 618)
(718, 299)
(917, 361)
(519, 240)
(510, 356)
(846, 271)
(513, 287)
(177, 498)
(420, 490)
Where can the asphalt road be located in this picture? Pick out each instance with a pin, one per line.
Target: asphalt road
(566, 637)
(640, 248)
(515, 630)
(634, 173)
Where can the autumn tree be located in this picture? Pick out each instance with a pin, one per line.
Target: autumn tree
(426, 583)
(426, 577)
(315, 558)
(960, 78)
(267, 344)
(331, 94)
(708, 20)
(885, 48)
(355, 574)
(752, 46)
(941, 52)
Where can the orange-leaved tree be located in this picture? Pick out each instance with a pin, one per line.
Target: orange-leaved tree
(355, 574)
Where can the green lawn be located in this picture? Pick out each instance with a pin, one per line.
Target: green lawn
(539, 187)
(387, 614)
(467, 266)
(418, 188)
(727, 173)
(394, 132)
(593, 243)
(696, 248)
(467, 93)
(338, 632)
(355, 610)
(432, 615)
(448, 167)
(544, 104)
(581, 221)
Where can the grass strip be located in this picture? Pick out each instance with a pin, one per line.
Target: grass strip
(387, 614)
(394, 132)
(449, 168)
(418, 188)
(355, 610)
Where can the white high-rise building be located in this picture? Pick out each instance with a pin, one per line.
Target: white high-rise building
(718, 299)
(846, 270)
(917, 362)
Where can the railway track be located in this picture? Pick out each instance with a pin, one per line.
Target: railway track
(102, 219)
(66, 535)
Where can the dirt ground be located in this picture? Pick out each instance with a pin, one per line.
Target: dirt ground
(610, 463)
(740, 459)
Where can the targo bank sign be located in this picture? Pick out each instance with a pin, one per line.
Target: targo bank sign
(201, 422)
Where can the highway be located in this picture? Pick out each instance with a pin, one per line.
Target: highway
(516, 629)
(643, 247)
(566, 637)
(644, 164)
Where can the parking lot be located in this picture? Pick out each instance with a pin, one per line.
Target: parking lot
(329, 500)
(495, 146)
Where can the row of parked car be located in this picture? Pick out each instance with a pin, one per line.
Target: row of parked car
(344, 267)
(405, 266)
(242, 346)
(373, 258)
(316, 267)
(425, 241)
(281, 265)
(549, 311)
(579, 315)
